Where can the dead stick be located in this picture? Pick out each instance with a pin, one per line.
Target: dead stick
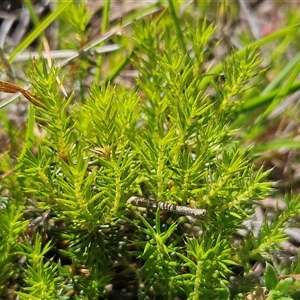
(166, 206)
(8, 87)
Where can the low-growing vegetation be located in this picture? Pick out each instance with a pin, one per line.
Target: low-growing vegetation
(184, 130)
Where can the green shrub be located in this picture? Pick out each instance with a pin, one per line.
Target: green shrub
(171, 139)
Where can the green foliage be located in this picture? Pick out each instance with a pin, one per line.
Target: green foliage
(171, 139)
(11, 228)
(40, 277)
(283, 289)
(208, 263)
(271, 233)
(38, 30)
(159, 259)
(270, 277)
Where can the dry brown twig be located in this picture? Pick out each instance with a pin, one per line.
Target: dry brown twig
(166, 206)
(11, 88)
